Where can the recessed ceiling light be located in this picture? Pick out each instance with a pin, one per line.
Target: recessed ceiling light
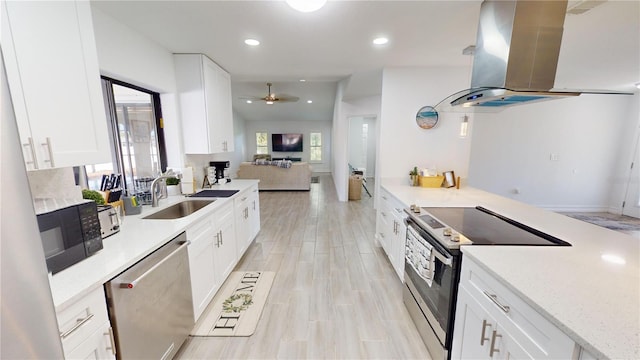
(269, 102)
(638, 85)
(309, 101)
(302, 80)
(249, 101)
(252, 42)
(615, 259)
(380, 41)
(306, 5)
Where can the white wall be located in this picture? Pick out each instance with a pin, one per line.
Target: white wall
(298, 127)
(403, 144)
(512, 150)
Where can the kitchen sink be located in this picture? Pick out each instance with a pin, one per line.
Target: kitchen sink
(179, 210)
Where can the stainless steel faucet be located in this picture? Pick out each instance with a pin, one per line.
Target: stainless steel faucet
(162, 190)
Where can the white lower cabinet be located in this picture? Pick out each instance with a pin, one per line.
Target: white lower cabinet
(391, 230)
(254, 214)
(212, 255)
(247, 209)
(493, 323)
(201, 264)
(100, 345)
(225, 256)
(85, 330)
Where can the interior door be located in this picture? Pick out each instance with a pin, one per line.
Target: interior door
(632, 197)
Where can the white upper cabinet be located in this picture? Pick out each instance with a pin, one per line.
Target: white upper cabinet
(205, 101)
(52, 68)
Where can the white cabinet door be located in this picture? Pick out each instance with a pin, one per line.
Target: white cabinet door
(205, 104)
(399, 241)
(219, 111)
(52, 68)
(204, 282)
(243, 224)
(254, 214)
(99, 346)
(473, 329)
(225, 255)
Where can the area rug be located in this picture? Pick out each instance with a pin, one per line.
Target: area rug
(315, 179)
(236, 308)
(613, 222)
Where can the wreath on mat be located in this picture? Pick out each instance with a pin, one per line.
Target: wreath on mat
(237, 303)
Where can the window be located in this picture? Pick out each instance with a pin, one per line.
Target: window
(262, 146)
(315, 147)
(136, 135)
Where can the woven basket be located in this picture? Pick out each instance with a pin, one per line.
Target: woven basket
(431, 181)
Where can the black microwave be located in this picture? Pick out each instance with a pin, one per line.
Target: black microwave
(69, 234)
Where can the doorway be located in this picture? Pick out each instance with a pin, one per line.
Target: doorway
(361, 147)
(631, 205)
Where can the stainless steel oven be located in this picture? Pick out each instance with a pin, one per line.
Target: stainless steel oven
(433, 259)
(431, 276)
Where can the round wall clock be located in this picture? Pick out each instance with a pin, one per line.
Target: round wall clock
(427, 117)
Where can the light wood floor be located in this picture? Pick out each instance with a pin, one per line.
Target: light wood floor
(335, 294)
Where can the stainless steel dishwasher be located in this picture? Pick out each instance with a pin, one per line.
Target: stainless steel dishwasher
(150, 305)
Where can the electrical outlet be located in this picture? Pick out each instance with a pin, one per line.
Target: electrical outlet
(553, 157)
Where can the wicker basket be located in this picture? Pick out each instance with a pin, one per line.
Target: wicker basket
(431, 181)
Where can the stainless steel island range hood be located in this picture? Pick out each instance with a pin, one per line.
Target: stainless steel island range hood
(516, 55)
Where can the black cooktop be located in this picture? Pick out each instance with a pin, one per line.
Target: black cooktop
(215, 193)
(485, 227)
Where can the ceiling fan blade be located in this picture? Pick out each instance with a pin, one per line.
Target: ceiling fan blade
(252, 98)
(287, 98)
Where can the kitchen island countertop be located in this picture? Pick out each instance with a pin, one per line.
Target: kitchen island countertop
(594, 301)
(136, 239)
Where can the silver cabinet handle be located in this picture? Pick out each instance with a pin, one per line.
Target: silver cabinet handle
(48, 145)
(254, 204)
(243, 198)
(112, 341)
(79, 322)
(494, 298)
(132, 284)
(383, 214)
(493, 349)
(218, 239)
(34, 160)
(221, 238)
(382, 235)
(485, 325)
(384, 197)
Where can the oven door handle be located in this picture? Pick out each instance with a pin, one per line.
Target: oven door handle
(447, 260)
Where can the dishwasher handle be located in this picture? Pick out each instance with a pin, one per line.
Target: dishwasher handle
(132, 284)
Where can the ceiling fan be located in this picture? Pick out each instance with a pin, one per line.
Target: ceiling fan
(271, 98)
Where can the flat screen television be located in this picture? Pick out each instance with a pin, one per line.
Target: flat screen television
(286, 142)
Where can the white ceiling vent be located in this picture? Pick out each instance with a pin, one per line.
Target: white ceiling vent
(581, 6)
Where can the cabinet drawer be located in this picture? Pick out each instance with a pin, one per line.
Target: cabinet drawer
(515, 316)
(199, 229)
(77, 322)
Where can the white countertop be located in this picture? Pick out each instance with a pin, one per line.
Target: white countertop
(595, 302)
(136, 239)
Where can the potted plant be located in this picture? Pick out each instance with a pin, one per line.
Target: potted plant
(173, 187)
(413, 176)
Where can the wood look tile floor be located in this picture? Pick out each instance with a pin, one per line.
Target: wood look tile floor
(335, 294)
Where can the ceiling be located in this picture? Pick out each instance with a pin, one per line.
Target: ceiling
(328, 45)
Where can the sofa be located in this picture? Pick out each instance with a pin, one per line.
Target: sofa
(296, 177)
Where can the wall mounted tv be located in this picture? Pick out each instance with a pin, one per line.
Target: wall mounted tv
(286, 142)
